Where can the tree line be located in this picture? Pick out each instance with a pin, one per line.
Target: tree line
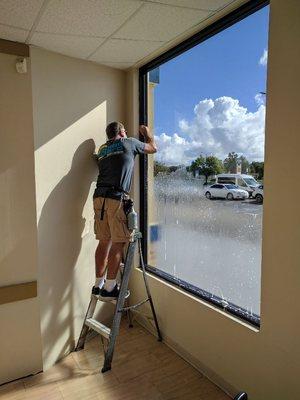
(211, 165)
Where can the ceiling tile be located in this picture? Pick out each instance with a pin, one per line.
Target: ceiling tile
(86, 17)
(215, 5)
(75, 46)
(15, 34)
(198, 4)
(118, 65)
(19, 13)
(118, 50)
(160, 22)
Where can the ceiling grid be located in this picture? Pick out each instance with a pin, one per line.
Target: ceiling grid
(110, 32)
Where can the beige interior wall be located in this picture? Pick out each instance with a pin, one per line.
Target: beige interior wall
(20, 331)
(73, 100)
(264, 363)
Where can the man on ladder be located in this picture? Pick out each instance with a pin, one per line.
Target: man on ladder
(116, 163)
(115, 226)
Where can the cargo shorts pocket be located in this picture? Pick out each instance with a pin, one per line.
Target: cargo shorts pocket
(123, 223)
(101, 227)
(120, 230)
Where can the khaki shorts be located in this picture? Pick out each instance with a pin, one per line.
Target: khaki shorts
(114, 224)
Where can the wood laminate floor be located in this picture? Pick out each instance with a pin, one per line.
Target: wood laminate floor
(143, 369)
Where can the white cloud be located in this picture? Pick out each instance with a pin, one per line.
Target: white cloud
(175, 149)
(260, 99)
(264, 58)
(218, 127)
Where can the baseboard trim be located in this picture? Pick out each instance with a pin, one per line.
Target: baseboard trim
(18, 292)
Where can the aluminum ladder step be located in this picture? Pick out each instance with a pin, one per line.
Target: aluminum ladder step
(98, 327)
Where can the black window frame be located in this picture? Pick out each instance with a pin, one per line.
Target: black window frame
(223, 23)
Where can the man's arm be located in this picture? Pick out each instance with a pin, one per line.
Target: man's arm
(150, 145)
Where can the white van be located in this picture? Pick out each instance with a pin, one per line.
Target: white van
(246, 182)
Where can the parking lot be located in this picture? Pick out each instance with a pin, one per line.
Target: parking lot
(213, 244)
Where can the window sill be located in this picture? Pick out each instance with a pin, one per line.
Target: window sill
(199, 299)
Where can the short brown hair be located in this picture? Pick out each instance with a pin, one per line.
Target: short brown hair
(113, 129)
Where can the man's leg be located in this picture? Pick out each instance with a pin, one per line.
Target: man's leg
(102, 232)
(114, 259)
(101, 256)
(120, 235)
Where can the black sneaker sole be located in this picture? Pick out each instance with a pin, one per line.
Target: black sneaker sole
(96, 290)
(112, 298)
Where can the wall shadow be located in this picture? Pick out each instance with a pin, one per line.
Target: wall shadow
(59, 239)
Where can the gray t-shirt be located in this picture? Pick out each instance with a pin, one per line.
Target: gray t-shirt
(116, 162)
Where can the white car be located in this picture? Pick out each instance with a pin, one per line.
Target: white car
(258, 194)
(227, 191)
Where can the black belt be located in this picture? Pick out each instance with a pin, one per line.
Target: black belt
(115, 188)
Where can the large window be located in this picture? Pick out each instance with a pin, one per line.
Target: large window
(203, 200)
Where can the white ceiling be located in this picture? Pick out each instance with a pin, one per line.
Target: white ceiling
(118, 33)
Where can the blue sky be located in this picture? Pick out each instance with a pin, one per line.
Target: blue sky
(224, 65)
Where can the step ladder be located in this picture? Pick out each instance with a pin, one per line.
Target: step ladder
(120, 307)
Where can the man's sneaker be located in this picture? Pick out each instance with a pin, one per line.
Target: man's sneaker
(110, 295)
(96, 290)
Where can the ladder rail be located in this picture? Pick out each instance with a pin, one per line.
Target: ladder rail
(120, 304)
(148, 291)
(84, 330)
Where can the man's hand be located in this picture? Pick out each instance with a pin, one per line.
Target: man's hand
(150, 146)
(144, 131)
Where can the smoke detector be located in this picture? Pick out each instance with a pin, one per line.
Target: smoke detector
(21, 65)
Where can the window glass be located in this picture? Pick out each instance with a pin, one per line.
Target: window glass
(251, 182)
(231, 186)
(207, 110)
(242, 182)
